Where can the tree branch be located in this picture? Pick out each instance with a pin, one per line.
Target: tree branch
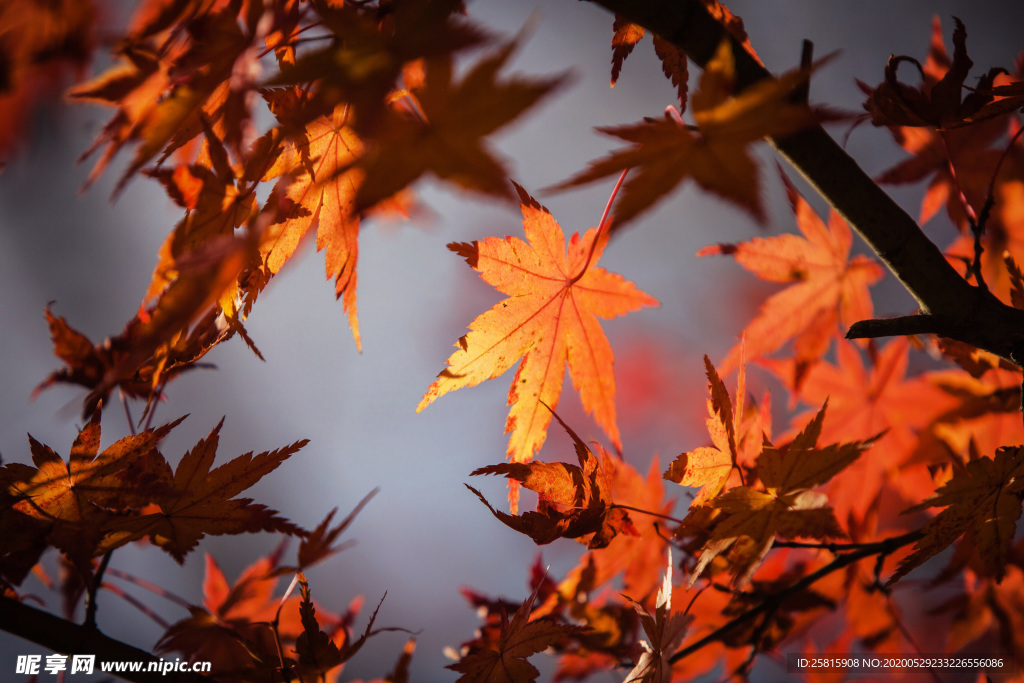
(880, 548)
(66, 637)
(967, 313)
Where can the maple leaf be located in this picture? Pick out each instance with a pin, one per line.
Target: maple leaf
(960, 162)
(749, 519)
(826, 286)
(983, 502)
(521, 638)
(708, 467)
(572, 501)
(217, 201)
(24, 536)
(939, 102)
(230, 628)
(370, 47)
(40, 44)
(637, 556)
(549, 320)
(317, 652)
(196, 501)
(164, 338)
(161, 90)
(864, 402)
(715, 155)
(75, 498)
(664, 630)
(444, 134)
(319, 186)
(673, 60)
(317, 546)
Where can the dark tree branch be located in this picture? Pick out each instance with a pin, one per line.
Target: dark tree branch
(66, 637)
(967, 313)
(901, 326)
(771, 603)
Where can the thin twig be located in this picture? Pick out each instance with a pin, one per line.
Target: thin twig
(136, 603)
(127, 412)
(151, 587)
(91, 588)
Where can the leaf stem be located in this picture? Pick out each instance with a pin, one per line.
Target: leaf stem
(646, 512)
(601, 226)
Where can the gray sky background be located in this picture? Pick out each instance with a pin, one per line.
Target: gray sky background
(424, 535)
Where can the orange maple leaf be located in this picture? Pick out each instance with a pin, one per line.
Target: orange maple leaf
(983, 502)
(161, 91)
(319, 189)
(750, 519)
(519, 639)
(715, 155)
(827, 287)
(708, 467)
(673, 60)
(864, 402)
(75, 499)
(549, 320)
(231, 624)
(164, 338)
(572, 501)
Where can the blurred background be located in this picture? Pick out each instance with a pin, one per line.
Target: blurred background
(423, 536)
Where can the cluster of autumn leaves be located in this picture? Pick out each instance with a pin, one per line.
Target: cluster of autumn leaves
(783, 531)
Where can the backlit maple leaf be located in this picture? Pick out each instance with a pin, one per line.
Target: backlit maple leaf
(708, 467)
(826, 286)
(572, 501)
(162, 87)
(75, 498)
(961, 163)
(369, 48)
(197, 500)
(664, 630)
(750, 519)
(715, 155)
(445, 134)
(863, 402)
(320, 189)
(549, 320)
(940, 102)
(164, 338)
(519, 639)
(231, 624)
(673, 60)
(983, 502)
